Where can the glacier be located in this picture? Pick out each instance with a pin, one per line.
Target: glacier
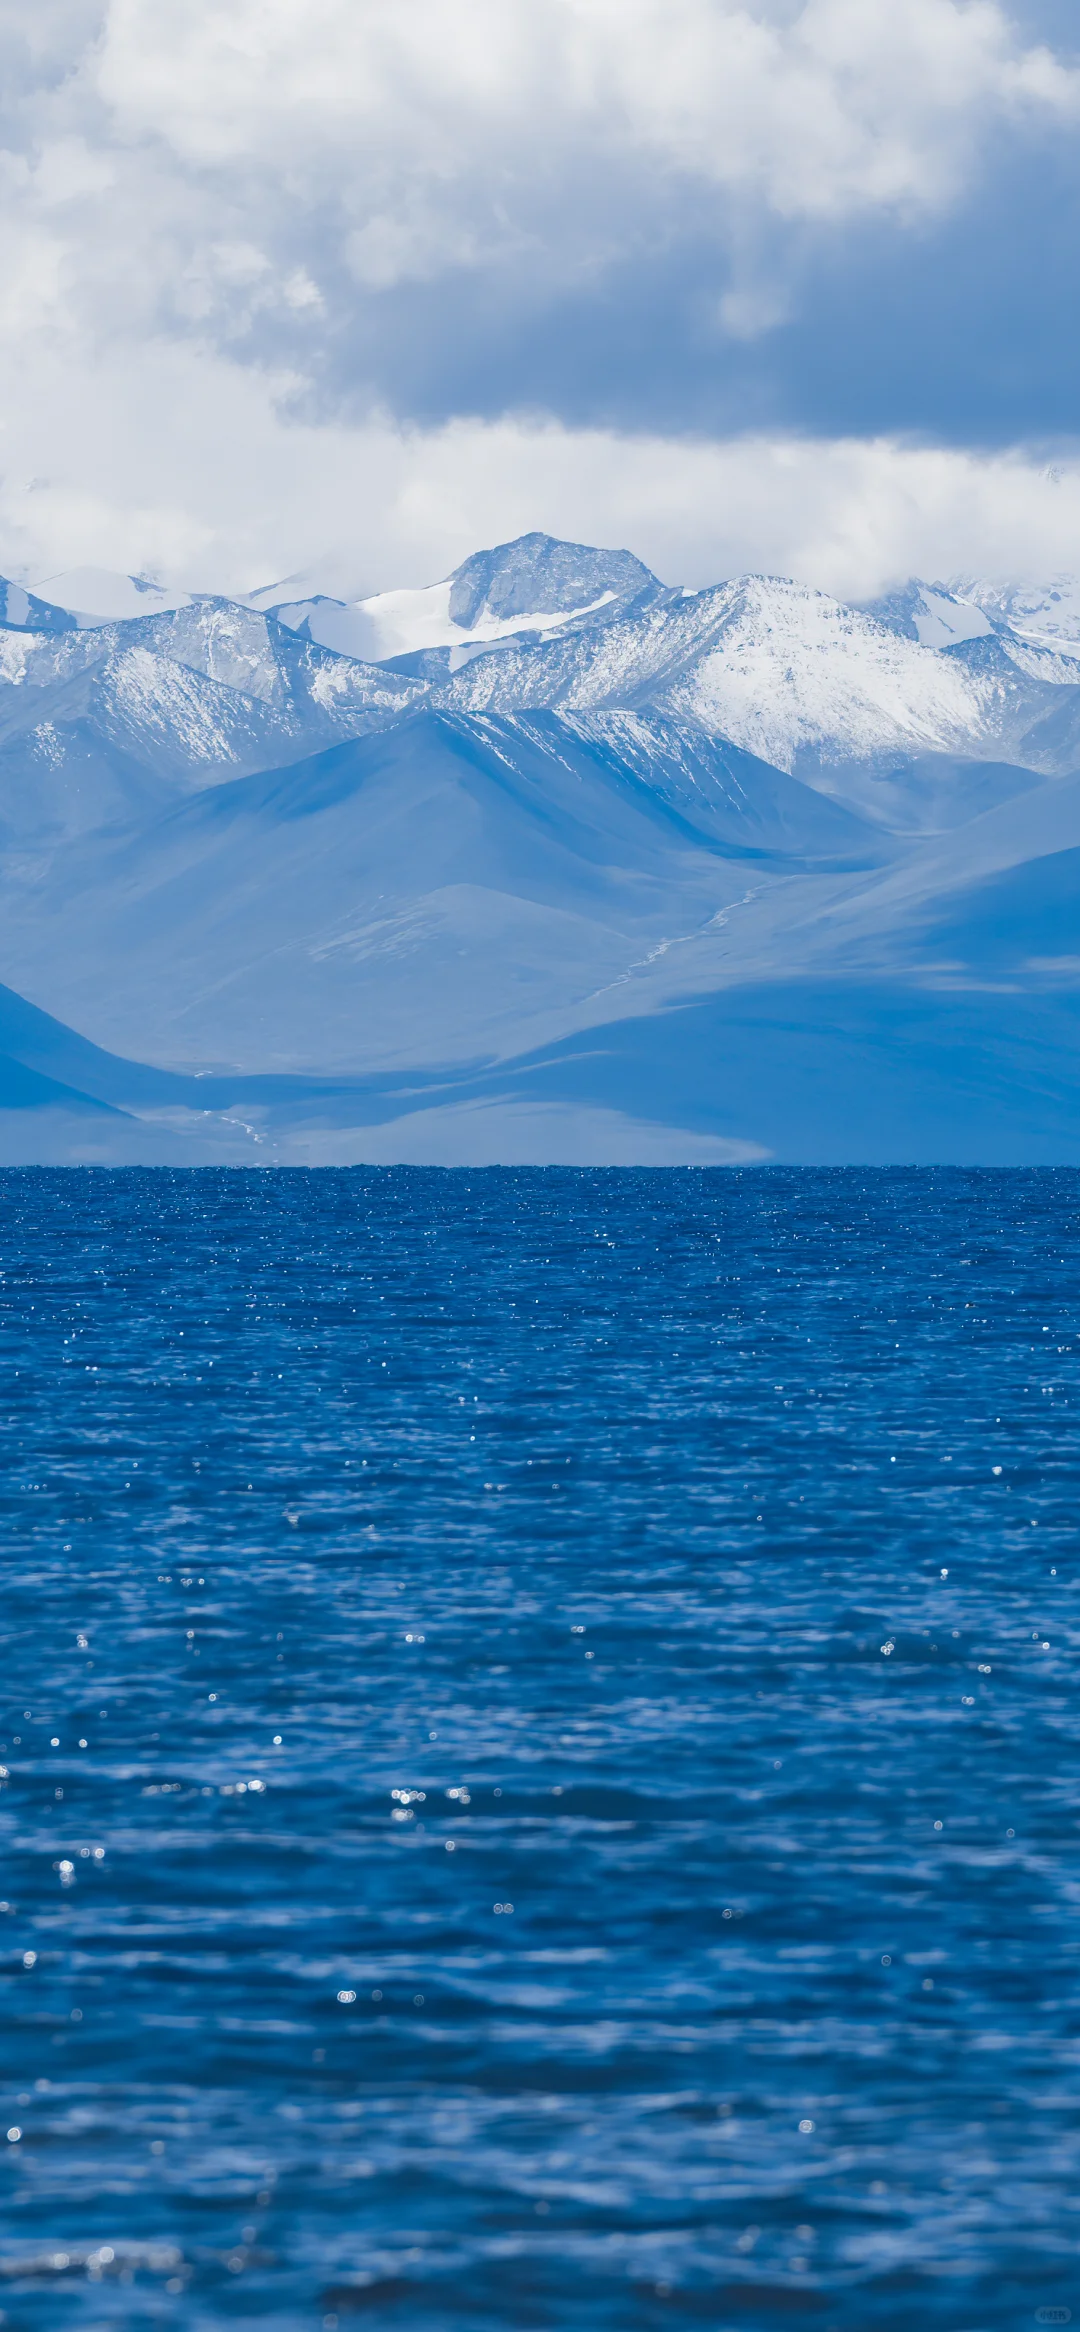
(548, 861)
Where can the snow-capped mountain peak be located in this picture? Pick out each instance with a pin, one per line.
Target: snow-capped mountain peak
(788, 673)
(535, 584)
(793, 671)
(516, 580)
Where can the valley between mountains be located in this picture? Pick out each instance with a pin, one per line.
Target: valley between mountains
(546, 863)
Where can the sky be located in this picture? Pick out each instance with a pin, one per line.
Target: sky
(784, 284)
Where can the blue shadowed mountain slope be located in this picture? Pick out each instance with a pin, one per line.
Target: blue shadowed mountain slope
(1020, 925)
(22, 1088)
(595, 778)
(45, 1063)
(43, 1047)
(826, 1072)
(413, 895)
(1053, 740)
(973, 1057)
(927, 793)
(831, 1072)
(732, 799)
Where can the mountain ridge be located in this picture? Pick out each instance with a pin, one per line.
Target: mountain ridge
(586, 801)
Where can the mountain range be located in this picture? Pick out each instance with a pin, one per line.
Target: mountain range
(547, 862)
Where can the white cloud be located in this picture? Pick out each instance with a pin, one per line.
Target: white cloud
(191, 467)
(391, 140)
(189, 188)
(830, 105)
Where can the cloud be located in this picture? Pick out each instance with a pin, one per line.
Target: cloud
(194, 467)
(821, 107)
(460, 270)
(363, 146)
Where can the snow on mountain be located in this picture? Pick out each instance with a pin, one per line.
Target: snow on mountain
(535, 584)
(94, 595)
(20, 610)
(513, 581)
(118, 733)
(1049, 611)
(728, 798)
(931, 614)
(106, 723)
(228, 643)
(165, 711)
(624, 662)
(339, 575)
(787, 673)
(324, 693)
(408, 623)
(32, 660)
(119, 740)
(795, 673)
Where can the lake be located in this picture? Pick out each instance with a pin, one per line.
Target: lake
(540, 1723)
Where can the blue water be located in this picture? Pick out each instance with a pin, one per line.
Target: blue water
(687, 1560)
